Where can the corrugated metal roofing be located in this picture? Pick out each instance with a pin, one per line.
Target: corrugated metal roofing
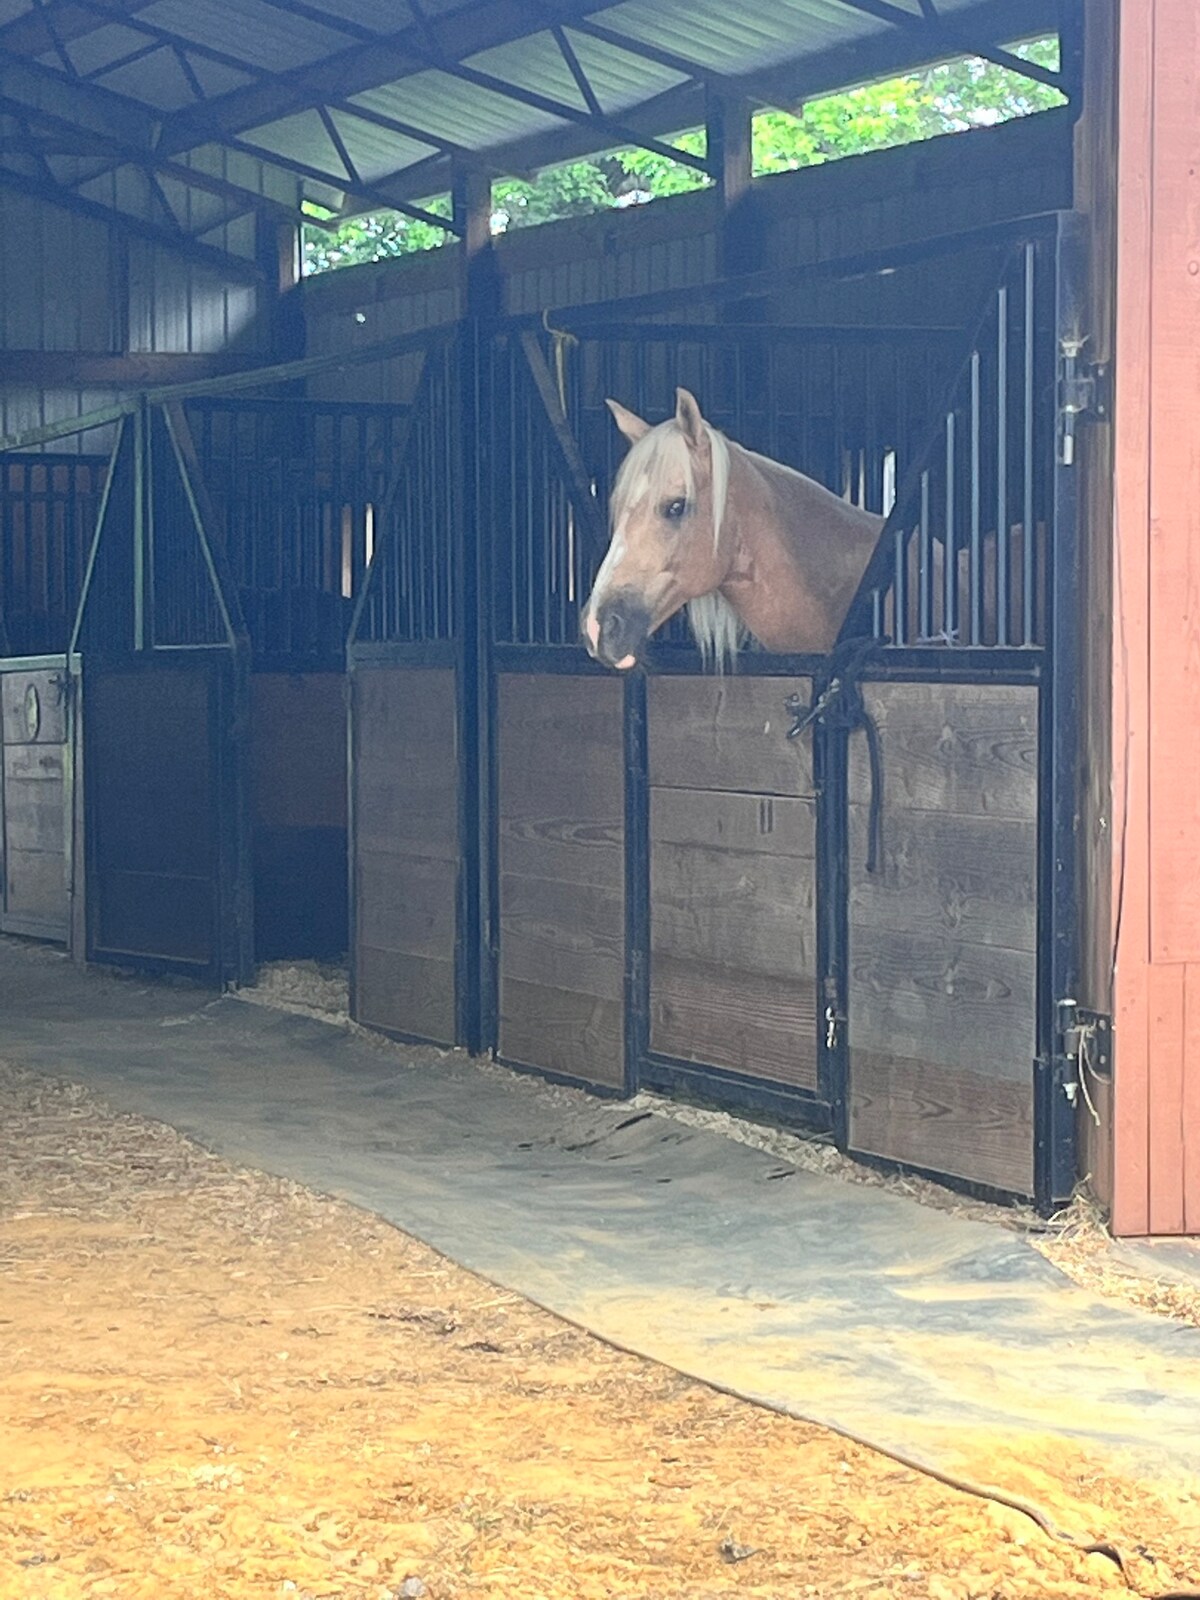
(268, 77)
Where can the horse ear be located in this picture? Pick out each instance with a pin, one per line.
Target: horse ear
(630, 425)
(688, 418)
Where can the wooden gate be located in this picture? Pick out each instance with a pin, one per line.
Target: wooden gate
(33, 798)
(407, 789)
(161, 690)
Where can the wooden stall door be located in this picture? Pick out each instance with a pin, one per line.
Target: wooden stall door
(404, 850)
(33, 862)
(561, 796)
(733, 968)
(943, 941)
(162, 829)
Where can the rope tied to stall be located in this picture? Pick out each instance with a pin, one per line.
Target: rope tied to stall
(562, 343)
(840, 704)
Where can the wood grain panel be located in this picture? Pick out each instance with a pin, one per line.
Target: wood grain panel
(1174, 491)
(761, 1026)
(410, 995)
(944, 1118)
(565, 935)
(1166, 1105)
(972, 879)
(733, 908)
(943, 941)
(727, 734)
(35, 892)
(957, 747)
(561, 842)
(760, 824)
(1131, 557)
(33, 798)
(406, 850)
(556, 1030)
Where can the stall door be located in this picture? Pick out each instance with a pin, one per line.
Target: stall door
(163, 818)
(33, 882)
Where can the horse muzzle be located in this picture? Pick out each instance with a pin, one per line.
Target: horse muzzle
(615, 632)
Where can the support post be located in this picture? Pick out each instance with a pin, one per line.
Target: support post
(476, 944)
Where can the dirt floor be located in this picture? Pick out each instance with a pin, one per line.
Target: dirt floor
(218, 1384)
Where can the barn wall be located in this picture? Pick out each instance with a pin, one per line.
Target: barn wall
(71, 283)
(1156, 644)
(820, 213)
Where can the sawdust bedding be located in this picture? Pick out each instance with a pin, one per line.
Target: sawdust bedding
(217, 1385)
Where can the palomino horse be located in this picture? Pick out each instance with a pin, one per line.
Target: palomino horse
(748, 545)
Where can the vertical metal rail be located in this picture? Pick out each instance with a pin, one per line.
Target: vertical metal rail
(637, 880)
(1059, 931)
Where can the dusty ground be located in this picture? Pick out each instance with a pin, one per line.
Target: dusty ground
(216, 1385)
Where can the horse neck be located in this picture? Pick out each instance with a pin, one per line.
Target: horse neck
(798, 553)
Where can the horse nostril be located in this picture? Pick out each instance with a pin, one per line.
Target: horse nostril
(612, 628)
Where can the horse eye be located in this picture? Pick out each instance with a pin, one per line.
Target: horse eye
(674, 509)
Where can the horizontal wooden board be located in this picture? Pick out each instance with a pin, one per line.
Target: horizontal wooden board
(407, 903)
(578, 1035)
(744, 1021)
(33, 815)
(403, 710)
(34, 763)
(569, 849)
(553, 722)
(946, 1119)
(404, 994)
(406, 810)
(298, 749)
(734, 908)
(933, 999)
(564, 935)
(965, 748)
(966, 878)
(727, 733)
(720, 820)
(50, 709)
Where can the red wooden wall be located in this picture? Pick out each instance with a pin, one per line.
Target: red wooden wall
(1156, 634)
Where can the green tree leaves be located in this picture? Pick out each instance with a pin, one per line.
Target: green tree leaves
(918, 105)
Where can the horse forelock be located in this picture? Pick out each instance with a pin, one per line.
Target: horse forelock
(657, 463)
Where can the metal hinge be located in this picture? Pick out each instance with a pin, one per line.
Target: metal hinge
(1085, 390)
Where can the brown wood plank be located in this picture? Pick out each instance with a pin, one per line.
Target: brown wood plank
(407, 904)
(410, 810)
(965, 748)
(51, 710)
(1166, 1106)
(34, 763)
(972, 879)
(734, 908)
(746, 1022)
(298, 749)
(567, 848)
(727, 733)
(563, 935)
(937, 1000)
(33, 815)
(404, 994)
(762, 824)
(578, 1035)
(1174, 467)
(1130, 698)
(944, 1118)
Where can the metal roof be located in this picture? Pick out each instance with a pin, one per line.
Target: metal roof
(127, 105)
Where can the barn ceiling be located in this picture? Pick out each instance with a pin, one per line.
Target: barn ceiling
(179, 116)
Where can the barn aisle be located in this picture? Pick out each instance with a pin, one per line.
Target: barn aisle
(947, 1341)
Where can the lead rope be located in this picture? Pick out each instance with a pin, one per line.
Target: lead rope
(562, 341)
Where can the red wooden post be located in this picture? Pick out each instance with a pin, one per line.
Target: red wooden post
(1156, 631)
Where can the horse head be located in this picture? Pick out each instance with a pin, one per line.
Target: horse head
(666, 549)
